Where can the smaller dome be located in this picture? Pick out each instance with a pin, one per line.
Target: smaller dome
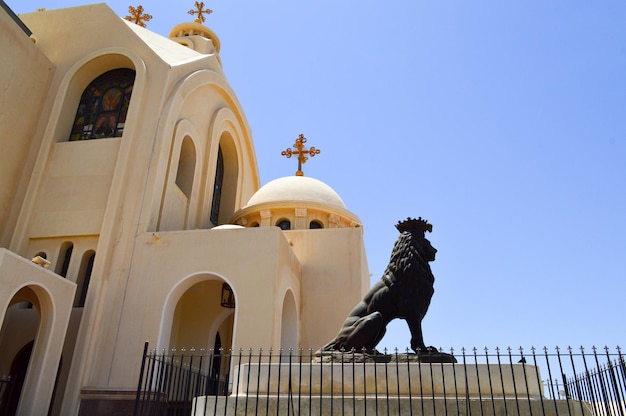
(227, 227)
(297, 188)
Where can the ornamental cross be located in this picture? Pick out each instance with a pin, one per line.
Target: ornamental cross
(200, 11)
(137, 16)
(301, 152)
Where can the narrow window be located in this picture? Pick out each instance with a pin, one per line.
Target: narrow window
(65, 256)
(186, 167)
(284, 224)
(315, 225)
(217, 188)
(103, 106)
(84, 275)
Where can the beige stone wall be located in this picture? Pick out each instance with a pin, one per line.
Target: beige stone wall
(25, 74)
(334, 279)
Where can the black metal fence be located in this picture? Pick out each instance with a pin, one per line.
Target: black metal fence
(482, 382)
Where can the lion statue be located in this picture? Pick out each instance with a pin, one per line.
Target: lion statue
(404, 292)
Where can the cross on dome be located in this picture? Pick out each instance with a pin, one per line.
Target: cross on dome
(200, 11)
(301, 152)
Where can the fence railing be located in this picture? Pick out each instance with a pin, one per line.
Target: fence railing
(507, 382)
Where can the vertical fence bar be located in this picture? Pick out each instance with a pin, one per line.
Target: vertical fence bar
(540, 386)
(480, 395)
(506, 411)
(269, 375)
(493, 403)
(601, 382)
(468, 410)
(398, 382)
(513, 379)
(311, 381)
(432, 381)
(353, 384)
(577, 386)
(364, 383)
(386, 384)
(300, 356)
(567, 395)
(612, 368)
(141, 370)
(408, 375)
(526, 386)
(589, 380)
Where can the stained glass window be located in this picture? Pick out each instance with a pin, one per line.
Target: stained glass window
(103, 106)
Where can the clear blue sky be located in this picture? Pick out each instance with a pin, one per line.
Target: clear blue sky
(502, 123)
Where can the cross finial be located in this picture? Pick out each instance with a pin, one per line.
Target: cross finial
(137, 16)
(200, 11)
(301, 152)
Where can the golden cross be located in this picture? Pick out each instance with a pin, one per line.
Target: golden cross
(200, 11)
(137, 16)
(301, 152)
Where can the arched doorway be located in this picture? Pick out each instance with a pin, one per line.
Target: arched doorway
(17, 375)
(193, 315)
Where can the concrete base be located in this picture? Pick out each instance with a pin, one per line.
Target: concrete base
(402, 388)
(405, 379)
(236, 406)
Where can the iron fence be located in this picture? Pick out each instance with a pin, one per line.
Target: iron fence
(494, 382)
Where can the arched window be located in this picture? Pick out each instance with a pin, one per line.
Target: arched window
(63, 263)
(103, 106)
(186, 167)
(284, 224)
(84, 275)
(217, 188)
(315, 225)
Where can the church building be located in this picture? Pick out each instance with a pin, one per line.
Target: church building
(131, 210)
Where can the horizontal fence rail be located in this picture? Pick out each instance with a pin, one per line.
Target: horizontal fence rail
(507, 382)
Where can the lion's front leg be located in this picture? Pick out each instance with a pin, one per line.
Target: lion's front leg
(417, 338)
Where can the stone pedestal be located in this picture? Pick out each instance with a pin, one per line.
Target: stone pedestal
(391, 388)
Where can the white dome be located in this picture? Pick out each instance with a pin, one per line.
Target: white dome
(226, 227)
(294, 189)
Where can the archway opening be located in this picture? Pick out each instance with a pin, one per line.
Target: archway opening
(289, 323)
(199, 317)
(17, 338)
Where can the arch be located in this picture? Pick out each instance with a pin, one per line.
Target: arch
(84, 276)
(228, 157)
(316, 225)
(289, 323)
(84, 73)
(218, 185)
(64, 258)
(186, 166)
(218, 317)
(179, 201)
(284, 224)
(38, 365)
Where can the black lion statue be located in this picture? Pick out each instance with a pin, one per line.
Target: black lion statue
(404, 292)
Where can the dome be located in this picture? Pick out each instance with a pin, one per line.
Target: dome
(297, 189)
(227, 227)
